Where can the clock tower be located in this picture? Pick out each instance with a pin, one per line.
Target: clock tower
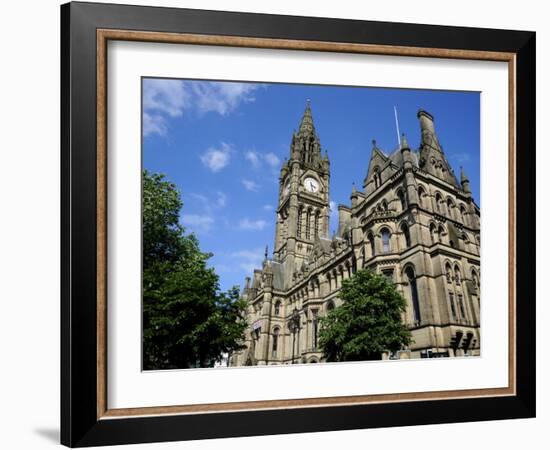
(303, 208)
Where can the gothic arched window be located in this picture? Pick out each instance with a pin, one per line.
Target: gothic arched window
(330, 306)
(348, 269)
(463, 215)
(452, 303)
(450, 207)
(314, 329)
(411, 278)
(475, 281)
(406, 235)
(370, 238)
(376, 176)
(275, 343)
(465, 241)
(277, 309)
(457, 275)
(316, 223)
(300, 218)
(461, 306)
(308, 224)
(441, 233)
(402, 200)
(448, 273)
(385, 233)
(433, 233)
(438, 202)
(421, 195)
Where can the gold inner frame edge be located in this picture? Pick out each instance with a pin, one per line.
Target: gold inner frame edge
(103, 36)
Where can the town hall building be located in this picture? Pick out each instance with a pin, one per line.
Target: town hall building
(412, 221)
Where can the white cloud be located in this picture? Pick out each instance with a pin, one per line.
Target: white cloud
(221, 199)
(268, 207)
(211, 203)
(250, 185)
(204, 222)
(165, 96)
(224, 268)
(272, 159)
(252, 225)
(197, 222)
(460, 157)
(217, 158)
(172, 98)
(222, 98)
(248, 260)
(257, 159)
(251, 255)
(162, 98)
(201, 198)
(154, 123)
(249, 267)
(253, 158)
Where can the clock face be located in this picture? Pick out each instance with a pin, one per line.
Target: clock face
(311, 185)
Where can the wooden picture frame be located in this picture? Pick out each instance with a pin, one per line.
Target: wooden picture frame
(85, 416)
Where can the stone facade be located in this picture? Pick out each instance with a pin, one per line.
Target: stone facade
(413, 221)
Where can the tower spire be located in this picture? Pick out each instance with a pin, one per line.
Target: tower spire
(306, 125)
(306, 146)
(463, 176)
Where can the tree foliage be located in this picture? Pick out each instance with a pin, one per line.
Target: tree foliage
(187, 321)
(367, 323)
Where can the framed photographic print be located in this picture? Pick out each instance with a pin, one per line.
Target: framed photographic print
(276, 224)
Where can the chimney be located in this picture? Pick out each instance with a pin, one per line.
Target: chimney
(344, 217)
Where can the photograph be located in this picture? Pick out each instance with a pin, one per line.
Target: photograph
(271, 226)
(297, 224)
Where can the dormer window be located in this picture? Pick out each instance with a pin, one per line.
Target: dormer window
(376, 176)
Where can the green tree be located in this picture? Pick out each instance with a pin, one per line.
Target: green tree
(367, 323)
(187, 321)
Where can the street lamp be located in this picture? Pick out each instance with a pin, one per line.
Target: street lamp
(294, 326)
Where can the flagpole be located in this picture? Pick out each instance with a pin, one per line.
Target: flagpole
(397, 126)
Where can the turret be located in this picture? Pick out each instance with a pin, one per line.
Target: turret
(406, 152)
(354, 196)
(464, 181)
(431, 156)
(410, 181)
(344, 218)
(427, 129)
(404, 144)
(326, 162)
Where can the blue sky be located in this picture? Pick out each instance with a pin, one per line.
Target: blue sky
(223, 143)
